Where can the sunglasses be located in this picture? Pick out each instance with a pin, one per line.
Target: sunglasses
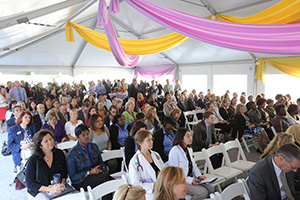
(128, 188)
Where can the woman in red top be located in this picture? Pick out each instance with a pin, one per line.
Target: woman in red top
(100, 109)
(141, 100)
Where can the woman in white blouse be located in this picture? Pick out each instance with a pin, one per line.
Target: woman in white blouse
(181, 155)
(145, 164)
(72, 124)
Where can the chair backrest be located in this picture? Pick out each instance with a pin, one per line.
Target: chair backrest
(235, 144)
(245, 185)
(213, 151)
(200, 111)
(112, 154)
(233, 190)
(187, 113)
(66, 145)
(199, 156)
(105, 188)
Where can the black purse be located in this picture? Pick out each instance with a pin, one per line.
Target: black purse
(5, 150)
(20, 179)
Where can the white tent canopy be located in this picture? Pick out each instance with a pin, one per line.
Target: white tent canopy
(39, 44)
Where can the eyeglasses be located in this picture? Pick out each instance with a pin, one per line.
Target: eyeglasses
(129, 187)
(293, 168)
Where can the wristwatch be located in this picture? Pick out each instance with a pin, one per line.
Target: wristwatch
(88, 173)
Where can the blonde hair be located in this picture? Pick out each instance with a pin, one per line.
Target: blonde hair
(140, 95)
(225, 100)
(118, 101)
(175, 111)
(50, 114)
(279, 140)
(149, 114)
(167, 179)
(238, 108)
(295, 131)
(133, 192)
(140, 136)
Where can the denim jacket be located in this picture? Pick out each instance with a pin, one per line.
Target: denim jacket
(78, 162)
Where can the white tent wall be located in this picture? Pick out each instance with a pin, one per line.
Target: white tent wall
(245, 68)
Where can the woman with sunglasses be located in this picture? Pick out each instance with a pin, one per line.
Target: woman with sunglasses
(146, 164)
(129, 192)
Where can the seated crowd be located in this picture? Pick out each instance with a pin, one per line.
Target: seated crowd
(145, 122)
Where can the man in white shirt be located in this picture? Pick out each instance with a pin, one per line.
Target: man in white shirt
(168, 87)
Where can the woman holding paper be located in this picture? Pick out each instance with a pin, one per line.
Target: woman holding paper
(181, 155)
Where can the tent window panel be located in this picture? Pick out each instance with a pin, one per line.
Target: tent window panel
(233, 83)
(281, 84)
(197, 82)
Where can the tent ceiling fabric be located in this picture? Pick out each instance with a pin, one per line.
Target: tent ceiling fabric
(55, 51)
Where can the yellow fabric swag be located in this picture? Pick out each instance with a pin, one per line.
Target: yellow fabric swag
(289, 66)
(284, 12)
(131, 46)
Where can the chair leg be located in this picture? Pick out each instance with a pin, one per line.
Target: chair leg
(235, 179)
(219, 188)
(255, 144)
(245, 144)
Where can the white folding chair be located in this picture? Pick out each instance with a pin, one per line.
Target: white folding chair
(248, 141)
(224, 171)
(232, 191)
(245, 185)
(274, 131)
(190, 124)
(200, 111)
(66, 145)
(199, 156)
(112, 154)
(241, 162)
(105, 188)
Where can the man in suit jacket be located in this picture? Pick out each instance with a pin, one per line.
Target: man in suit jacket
(63, 114)
(201, 137)
(133, 89)
(83, 112)
(12, 121)
(205, 137)
(201, 102)
(39, 119)
(180, 103)
(265, 180)
(191, 103)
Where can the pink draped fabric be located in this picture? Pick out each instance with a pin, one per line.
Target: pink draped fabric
(122, 58)
(282, 39)
(114, 6)
(155, 71)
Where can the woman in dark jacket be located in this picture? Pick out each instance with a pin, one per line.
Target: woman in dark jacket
(130, 145)
(43, 164)
(119, 131)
